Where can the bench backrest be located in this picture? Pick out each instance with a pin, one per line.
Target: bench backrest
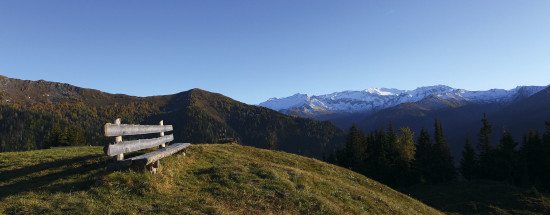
(120, 147)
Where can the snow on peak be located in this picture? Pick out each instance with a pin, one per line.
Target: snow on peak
(293, 101)
(382, 91)
(373, 99)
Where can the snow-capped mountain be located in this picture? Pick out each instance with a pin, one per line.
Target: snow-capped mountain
(374, 99)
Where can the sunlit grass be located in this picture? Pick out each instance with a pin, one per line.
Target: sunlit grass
(211, 179)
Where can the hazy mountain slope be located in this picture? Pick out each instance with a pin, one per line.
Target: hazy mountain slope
(526, 114)
(30, 109)
(211, 179)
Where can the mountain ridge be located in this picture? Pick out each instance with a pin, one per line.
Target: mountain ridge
(374, 99)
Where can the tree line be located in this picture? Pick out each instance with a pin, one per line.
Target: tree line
(396, 158)
(525, 164)
(399, 159)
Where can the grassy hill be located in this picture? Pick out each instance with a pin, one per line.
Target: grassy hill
(211, 179)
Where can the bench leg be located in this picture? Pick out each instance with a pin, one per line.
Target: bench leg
(157, 164)
(153, 167)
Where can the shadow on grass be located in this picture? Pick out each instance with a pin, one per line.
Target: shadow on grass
(65, 175)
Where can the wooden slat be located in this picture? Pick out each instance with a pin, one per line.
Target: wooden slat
(135, 145)
(151, 157)
(140, 162)
(112, 130)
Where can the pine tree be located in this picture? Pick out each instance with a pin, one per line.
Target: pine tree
(76, 136)
(389, 163)
(391, 141)
(469, 162)
(406, 149)
(378, 157)
(486, 157)
(64, 137)
(55, 135)
(505, 157)
(354, 150)
(424, 156)
(405, 141)
(532, 159)
(443, 161)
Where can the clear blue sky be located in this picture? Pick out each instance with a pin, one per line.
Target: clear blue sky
(254, 50)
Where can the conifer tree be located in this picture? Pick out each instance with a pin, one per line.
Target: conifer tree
(76, 136)
(377, 156)
(423, 156)
(469, 162)
(405, 142)
(505, 157)
(390, 163)
(406, 150)
(55, 135)
(64, 137)
(532, 159)
(486, 157)
(443, 168)
(354, 149)
(391, 141)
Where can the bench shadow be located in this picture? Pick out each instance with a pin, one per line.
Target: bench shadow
(16, 173)
(83, 172)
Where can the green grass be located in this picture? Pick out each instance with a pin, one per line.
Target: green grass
(482, 197)
(211, 179)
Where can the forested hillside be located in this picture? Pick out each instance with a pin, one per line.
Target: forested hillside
(41, 114)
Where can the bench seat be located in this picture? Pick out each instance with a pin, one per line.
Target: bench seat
(147, 160)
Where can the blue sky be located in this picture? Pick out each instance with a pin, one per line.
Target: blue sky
(254, 50)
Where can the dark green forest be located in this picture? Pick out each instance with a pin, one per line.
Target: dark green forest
(399, 159)
(396, 158)
(524, 163)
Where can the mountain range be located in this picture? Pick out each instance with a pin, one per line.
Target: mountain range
(517, 110)
(41, 114)
(375, 99)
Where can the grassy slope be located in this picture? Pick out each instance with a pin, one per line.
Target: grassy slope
(482, 197)
(212, 179)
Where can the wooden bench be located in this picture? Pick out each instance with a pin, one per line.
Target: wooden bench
(149, 161)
